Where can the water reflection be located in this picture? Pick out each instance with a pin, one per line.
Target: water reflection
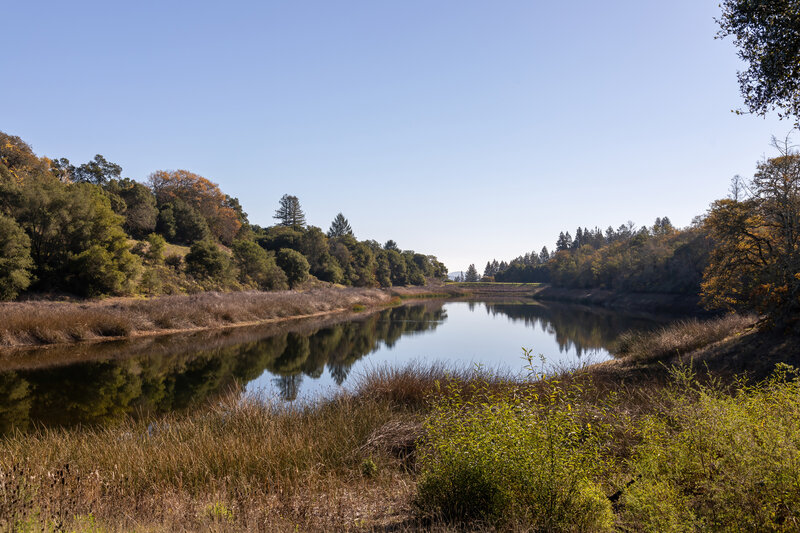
(101, 384)
(101, 392)
(575, 328)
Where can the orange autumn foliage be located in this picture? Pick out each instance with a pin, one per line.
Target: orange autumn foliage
(203, 195)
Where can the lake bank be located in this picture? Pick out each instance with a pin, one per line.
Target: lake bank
(38, 323)
(650, 302)
(42, 323)
(299, 360)
(349, 463)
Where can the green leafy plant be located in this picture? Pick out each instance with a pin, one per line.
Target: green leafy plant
(531, 458)
(716, 461)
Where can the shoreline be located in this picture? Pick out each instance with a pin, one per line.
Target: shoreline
(39, 324)
(639, 301)
(49, 324)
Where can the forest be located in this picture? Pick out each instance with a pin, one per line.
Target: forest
(743, 254)
(85, 230)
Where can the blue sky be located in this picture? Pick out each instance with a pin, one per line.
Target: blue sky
(468, 129)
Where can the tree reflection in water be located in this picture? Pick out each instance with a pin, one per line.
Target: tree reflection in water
(176, 374)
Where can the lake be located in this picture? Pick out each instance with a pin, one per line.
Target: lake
(298, 361)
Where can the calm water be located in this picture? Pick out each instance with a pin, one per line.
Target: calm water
(298, 361)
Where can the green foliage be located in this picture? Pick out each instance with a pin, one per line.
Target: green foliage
(15, 259)
(97, 171)
(289, 213)
(219, 512)
(294, 265)
(472, 274)
(383, 271)
(140, 211)
(765, 31)
(95, 273)
(362, 265)
(278, 237)
(206, 261)
(256, 267)
(340, 227)
(189, 226)
(155, 248)
(369, 468)
(715, 461)
(397, 267)
(71, 228)
(313, 244)
(165, 222)
(532, 460)
(756, 261)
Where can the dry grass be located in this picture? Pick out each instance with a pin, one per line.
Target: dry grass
(243, 464)
(265, 467)
(253, 465)
(679, 338)
(41, 323)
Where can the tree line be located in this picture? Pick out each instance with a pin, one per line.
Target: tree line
(87, 230)
(743, 254)
(657, 258)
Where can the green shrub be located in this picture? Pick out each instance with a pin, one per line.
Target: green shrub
(294, 265)
(206, 261)
(15, 259)
(155, 249)
(174, 261)
(716, 461)
(257, 267)
(531, 460)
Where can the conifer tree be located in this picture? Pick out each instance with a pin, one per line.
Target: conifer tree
(289, 213)
(340, 227)
(472, 274)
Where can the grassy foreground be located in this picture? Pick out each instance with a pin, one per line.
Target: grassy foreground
(436, 449)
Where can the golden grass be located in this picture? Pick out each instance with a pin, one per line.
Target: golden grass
(38, 323)
(679, 338)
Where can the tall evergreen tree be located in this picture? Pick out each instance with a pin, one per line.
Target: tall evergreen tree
(564, 241)
(472, 274)
(340, 227)
(289, 213)
(544, 255)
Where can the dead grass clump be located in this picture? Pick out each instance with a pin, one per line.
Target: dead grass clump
(679, 338)
(397, 438)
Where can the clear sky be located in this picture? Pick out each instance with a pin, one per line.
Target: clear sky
(468, 129)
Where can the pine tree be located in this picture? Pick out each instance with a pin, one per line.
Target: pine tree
(340, 227)
(544, 255)
(472, 274)
(289, 213)
(564, 241)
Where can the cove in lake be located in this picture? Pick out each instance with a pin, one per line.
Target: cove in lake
(298, 361)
